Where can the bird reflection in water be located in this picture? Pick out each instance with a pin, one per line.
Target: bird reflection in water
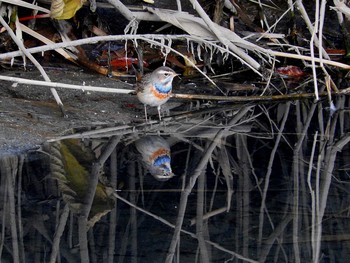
(155, 153)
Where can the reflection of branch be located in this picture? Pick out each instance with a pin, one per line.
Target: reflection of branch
(152, 126)
(224, 163)
(201, 166)
(19, 207)
(268, 243)
(96, 168)
(297, 155)
(9, 170)
(269, 172)
(58, 234)
(313, 198)
(219, 247)
(131, 171)
(89, 197)
(244, 186)
(203, 251)
(113, 214)
(327, 173)
(210, 214)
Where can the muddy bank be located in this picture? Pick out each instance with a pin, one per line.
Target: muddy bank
(30, 115)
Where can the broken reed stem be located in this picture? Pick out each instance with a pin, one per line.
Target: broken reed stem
(222, 38)
(312, 52)
(310, 26)
(153, 37)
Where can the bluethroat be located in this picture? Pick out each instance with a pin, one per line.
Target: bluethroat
(155, 152)
(154, 89)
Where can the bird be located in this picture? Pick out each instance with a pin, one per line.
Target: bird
(155, 88)
(155, 156)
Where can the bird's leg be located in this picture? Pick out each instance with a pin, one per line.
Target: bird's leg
(160, 117)
(145, 112)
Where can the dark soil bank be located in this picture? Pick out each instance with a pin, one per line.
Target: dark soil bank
(29, 114)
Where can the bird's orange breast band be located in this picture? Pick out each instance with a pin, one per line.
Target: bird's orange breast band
(159, 95)
(159, 152)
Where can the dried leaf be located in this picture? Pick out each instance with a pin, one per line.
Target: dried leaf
(65, 9)
(73, 161)
(290, 72)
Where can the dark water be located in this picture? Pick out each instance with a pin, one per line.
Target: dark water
(259, 183)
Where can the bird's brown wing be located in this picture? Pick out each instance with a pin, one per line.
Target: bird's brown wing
(139, 87)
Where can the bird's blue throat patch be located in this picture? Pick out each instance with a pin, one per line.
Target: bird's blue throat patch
(163, 88)
(162, 160)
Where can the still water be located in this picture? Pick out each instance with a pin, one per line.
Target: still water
(258, 183)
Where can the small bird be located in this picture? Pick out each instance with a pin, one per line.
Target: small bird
(154, 89)
(155, 154)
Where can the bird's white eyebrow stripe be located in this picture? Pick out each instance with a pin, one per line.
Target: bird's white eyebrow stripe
(165, 71)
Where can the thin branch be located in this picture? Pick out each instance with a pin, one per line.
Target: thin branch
(122, 9)
(64, 86)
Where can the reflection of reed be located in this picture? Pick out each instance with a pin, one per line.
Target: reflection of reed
(290, 197)
(199, 169)
(113, 213)
(89, 197)
(9, 168)
(193, 235)
(298, 172)
(58, 234)
(133, 218)
(65, 167)
(272, 157)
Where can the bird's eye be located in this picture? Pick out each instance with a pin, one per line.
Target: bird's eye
(166, 74)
